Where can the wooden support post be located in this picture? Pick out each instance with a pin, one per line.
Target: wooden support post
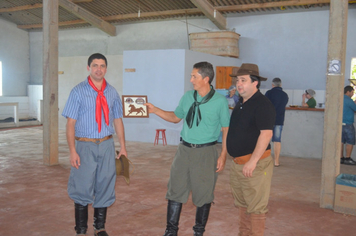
(50, 82)
(334, 101)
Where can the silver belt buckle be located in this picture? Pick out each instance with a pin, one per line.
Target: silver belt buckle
(193, 145)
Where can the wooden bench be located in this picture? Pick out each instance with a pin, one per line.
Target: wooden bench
(16, 110)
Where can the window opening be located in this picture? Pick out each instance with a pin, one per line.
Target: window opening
(0, 78)
(353, 75)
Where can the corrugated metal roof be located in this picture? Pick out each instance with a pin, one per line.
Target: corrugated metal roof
(27, 14)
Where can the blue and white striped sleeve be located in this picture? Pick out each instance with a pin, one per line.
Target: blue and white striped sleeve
(117, 106)
(72, 106)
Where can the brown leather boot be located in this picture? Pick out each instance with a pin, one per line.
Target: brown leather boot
(244, 222)
(258, 224)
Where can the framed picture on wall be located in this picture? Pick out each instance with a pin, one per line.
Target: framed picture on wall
(133, 106)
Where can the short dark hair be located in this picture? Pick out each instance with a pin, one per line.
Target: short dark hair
(277, 82)
(97, 56)
(256, 78)
(348, 88)
(205, 69)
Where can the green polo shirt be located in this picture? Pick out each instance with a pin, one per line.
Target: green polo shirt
(311, 102)
(215, 114)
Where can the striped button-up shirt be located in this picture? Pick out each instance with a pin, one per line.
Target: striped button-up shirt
(81, 107)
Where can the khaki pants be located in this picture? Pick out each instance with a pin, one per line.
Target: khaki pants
(252, 193)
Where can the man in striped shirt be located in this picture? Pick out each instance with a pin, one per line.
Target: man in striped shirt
(94, 114)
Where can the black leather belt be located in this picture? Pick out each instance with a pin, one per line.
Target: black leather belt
(191, 145)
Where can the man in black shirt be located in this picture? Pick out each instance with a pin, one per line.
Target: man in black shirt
(248, 142)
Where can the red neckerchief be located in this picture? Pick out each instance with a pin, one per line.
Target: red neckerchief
(100, 103)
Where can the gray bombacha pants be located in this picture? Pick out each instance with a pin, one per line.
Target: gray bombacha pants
(94, 181)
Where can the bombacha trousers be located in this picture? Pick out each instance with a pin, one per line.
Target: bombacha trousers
(253, 192)
(94, 181)
(193, 169)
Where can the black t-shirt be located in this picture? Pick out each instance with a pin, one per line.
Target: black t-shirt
(247, 120)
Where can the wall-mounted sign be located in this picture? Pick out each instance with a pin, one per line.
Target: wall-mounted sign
(334, 67)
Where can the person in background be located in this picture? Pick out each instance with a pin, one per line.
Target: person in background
(279, 100)
(231, 97)
(309, 94)
(348, 129)
(196, 163)
(94, 114)
(248, 142)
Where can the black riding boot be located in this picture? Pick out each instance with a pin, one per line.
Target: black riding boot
(99, 221)
(201, 219)
(81, 219)
(173, 214)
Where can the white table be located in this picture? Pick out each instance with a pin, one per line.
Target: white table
(16, 110)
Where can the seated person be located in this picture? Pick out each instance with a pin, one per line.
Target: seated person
(309, 94)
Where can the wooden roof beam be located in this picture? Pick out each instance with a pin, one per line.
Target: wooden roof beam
(21, 8)
(33, 6)
(153, 14)
(244, 7)
(88, 16)
(121, 17)
(213, 14)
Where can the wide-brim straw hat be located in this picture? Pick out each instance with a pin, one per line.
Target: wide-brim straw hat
(248, 69)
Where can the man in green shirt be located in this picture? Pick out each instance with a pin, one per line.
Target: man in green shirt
(196, 164)
(309, 94)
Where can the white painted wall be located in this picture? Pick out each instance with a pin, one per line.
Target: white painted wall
(14, 54)
(290, 46)
(141, 36)
(35, 94)
(302, 134)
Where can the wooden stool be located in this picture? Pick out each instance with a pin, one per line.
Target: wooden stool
(164, 141)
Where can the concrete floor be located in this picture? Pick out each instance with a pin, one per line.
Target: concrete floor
(34, 201)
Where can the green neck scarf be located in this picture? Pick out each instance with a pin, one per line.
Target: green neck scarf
(195, 106)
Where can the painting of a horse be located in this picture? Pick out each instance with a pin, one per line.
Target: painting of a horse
(133, 109)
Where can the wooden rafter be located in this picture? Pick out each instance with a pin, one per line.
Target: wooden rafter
(81, 1)
(33, 6)
(244, 7)
(88, 17)
(218, 19)
(121, 17)
(21, 8)
(153, 14)
(215, 16)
